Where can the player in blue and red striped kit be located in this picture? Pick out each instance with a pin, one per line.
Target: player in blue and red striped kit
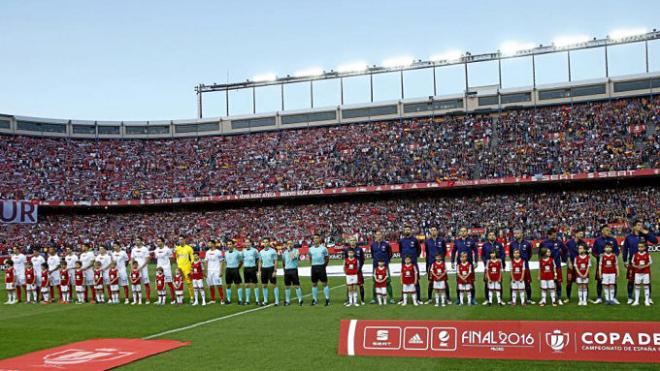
(381, 250)
(558, 254)
(572, 251)
(434, 245)
(491, 245)
(597, 250)
(359, 255)
(630, 247)
(464, 244)
(410, 246)
(520, 244)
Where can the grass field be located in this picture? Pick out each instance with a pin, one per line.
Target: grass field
(285, 338)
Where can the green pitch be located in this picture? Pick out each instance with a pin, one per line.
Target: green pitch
(284, 338)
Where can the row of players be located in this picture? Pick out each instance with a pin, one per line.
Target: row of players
(58, 274)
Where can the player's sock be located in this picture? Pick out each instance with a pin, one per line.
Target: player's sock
(212, 292)
(147, 288)
(631, 286)
(229, 293)
(135, 297)
(528, 290)
(362, 293)
(171, 286)
(405, 299)
(469, 297)
(240, 294)
(326, 292)
(287, 294)
(264, 290)
(553, 295)
(514, 296)
(558, 285)
(139, 296)
(315, 293)
(256, 294)
(497, 295)
(647, 293)
(448, 298)
(569, 290)
(429, 290)
(299, 294)
(203, 293)
(51, 291)
(18, 293)
(126, 292)
(612, 297)
(379, 300)
(543, 296)
(490, 296)
(606, 291)
(276, 293)
(247, 295)
(221, 293)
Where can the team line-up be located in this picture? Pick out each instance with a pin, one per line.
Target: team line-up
(114, 271)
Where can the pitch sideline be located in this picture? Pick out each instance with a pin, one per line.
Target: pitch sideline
(202, 323)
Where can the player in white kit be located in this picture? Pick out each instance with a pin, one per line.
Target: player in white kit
(120, 258)
(140, 254)
(37, 260)
(71, 258)
(53, 262)
(105, 259)
(19, 271)
(87, 264)
(163, 256)
(214, 260)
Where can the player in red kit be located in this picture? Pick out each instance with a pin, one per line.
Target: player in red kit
(10, 282)
(98, 282)
(608, 271)
(136, 287)
(351, 271)
(178, 285)
(30, 283)
(113, 277)
(439, 277)
(65, 283)
(582, 265)
(547, 276)
(409, 276)
(45, 284)
(517, 278)
(641, 263)
(465, 279)
(380, 282)
(160, 285)
(494, 278)
(197, 276)
(79, 278)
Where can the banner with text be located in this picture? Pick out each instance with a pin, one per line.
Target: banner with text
(19, 212)
(525, 340)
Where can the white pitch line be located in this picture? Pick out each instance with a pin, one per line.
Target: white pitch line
(194, 325)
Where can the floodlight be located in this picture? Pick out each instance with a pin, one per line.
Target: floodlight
(450, 55)
(626, 33)
(398, 62)
(264, 77)
(353, 67)
(564, 41)
(314, 71)
(513, 47)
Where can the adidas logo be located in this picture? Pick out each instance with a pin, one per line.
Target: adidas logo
(415, 340)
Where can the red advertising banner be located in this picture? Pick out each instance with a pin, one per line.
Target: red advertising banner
(523, 340)
(90, 355)
(443, 184)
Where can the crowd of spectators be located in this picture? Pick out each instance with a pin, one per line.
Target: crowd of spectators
(533, 211)
(586, 137)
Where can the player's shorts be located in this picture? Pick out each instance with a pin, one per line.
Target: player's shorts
(267, 276)
(409, 289)
(198, 284)
(609, 279)
(89, 277)
(80, 289)
(381, 290)
(123, 278)
(37, 279)
(64, 288)
(582, 280)
(517, 285)
(114, 288)
(233, 276)
(161, 292)
(167, 272)
(213, 279)
(20, 279)
(496, 286)
(45, 290)
(319, 274)
(352, 279)
(10, 285)
(464, 287)
(144, 276)
(98, 287)
(642, 279)
(250, 275)
(136, 288)
(439, 285)
(291, 277)
(178, 292)
(547, 284)
(30, 286)
(54, 278)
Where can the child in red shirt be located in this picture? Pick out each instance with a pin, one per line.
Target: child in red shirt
(408, 281)
(160, 285)
(439, 277)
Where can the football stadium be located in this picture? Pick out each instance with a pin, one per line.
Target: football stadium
(490, 206)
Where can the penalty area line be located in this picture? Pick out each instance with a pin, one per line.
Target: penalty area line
(202, 323)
